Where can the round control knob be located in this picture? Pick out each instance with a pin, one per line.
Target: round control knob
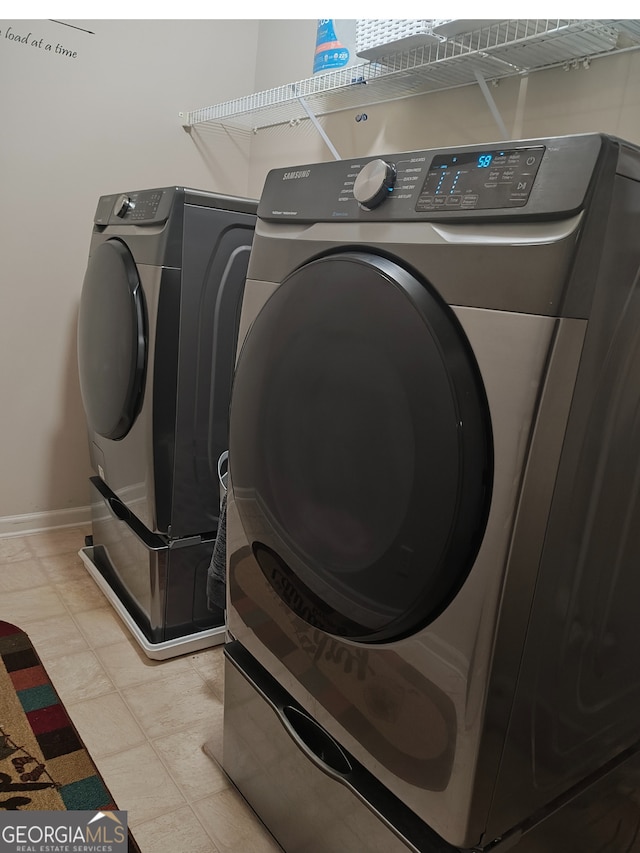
(122, 205)
(373, 183)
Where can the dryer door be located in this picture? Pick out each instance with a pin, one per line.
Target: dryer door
(361, 449)
(112, 340)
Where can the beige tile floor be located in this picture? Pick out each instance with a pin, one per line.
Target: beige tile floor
(144, 722)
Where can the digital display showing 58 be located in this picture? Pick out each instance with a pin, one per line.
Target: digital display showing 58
(480, 180)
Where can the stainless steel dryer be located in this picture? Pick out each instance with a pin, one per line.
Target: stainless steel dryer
(157, 334)
(433, 496)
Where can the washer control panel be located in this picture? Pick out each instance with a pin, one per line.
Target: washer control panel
(138, 206)
(542, 178)
(145, 207)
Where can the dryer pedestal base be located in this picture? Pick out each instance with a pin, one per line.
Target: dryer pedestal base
(310, 793)
(158, 586)
(294, 776)
(156, 651)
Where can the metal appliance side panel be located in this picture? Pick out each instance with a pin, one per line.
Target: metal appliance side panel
(530, 525)
(215, 257)
(127, 466)
(605, 816)
(422, 697)
(577, 705)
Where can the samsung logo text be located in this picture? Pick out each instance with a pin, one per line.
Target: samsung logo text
(294, 176)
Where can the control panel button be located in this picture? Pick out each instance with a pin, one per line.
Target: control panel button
(374, 183)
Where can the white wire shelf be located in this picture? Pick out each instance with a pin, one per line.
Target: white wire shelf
(505, 49)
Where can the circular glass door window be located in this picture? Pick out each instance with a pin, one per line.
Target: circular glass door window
(112, 340)
(361, 453)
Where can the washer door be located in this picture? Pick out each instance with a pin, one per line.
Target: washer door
(361, 450)
(112, 340)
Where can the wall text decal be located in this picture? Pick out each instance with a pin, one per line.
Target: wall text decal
(33, 40)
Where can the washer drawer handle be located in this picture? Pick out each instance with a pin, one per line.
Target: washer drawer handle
(315, 741)
(119, 509)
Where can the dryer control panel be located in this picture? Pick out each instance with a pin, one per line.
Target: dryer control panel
(480, 180)
(537, 178)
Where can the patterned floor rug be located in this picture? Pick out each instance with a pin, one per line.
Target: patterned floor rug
(44, 764)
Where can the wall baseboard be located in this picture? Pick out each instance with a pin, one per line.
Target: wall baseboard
(36, 522)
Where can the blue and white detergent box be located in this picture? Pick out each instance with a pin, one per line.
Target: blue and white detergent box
(335, 45)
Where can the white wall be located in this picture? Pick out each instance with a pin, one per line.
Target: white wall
(285, 52)
(107, 121)
(74, 128)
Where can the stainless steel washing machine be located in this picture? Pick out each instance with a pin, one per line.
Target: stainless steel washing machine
(433, 494)
(157, 335)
